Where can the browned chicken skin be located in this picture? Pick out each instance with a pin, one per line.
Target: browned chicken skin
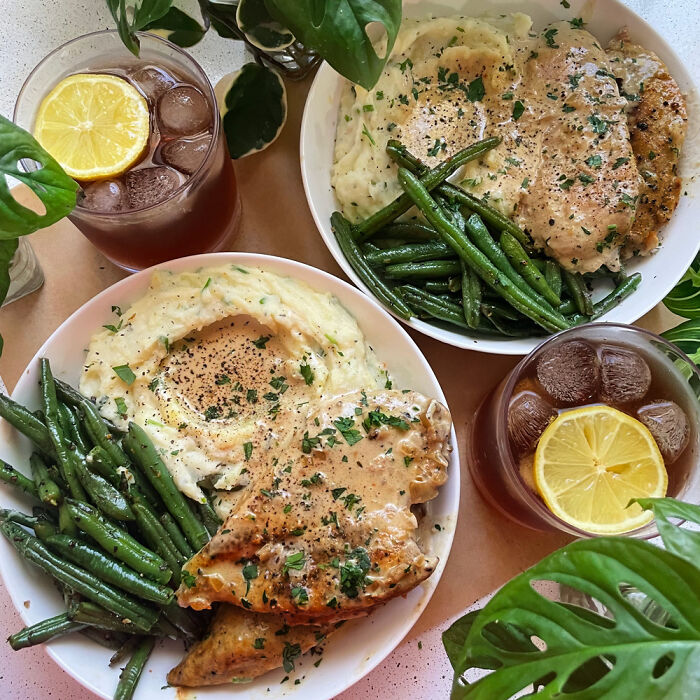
(326, 525)
(657, 119)
(243, 645)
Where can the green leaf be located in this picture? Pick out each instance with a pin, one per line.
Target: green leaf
(125, 373)
(142, 13)
(7, 251)
(686, 336)
(178, 27)
(684, 298)
(260, 28)
(580, 654)
(336, 29)
(254, 109)
(53, 187)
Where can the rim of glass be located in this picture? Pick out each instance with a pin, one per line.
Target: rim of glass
(645, 531)
(206, 84)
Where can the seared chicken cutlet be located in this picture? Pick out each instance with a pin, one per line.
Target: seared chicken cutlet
(657, 118)
(242, 645)
(325, 530)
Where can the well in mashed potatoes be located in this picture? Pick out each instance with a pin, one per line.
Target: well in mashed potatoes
(225, 359)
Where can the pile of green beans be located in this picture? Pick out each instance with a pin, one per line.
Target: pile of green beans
(464, 263)
(109, 526)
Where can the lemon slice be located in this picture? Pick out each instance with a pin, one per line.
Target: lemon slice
(591, 461)
(95, 125)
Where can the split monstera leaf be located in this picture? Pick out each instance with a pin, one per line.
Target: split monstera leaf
(337, 30)
(645, 645)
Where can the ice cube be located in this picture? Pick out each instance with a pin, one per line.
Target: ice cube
(668, 424)
(569, 372)
(148, 186)
(186, 155)
(528, 415)
(624, 375)
(152, 81)
(183, 110)
(104, 196)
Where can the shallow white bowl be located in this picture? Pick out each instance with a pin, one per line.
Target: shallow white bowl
(604, 18)
(352, 652)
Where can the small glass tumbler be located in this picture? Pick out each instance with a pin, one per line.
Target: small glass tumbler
(495, 469)
(199, 216)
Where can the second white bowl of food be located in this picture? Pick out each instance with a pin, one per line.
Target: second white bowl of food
(349, 327)
(565, 193)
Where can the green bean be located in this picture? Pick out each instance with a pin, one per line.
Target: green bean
(408, 230)
(107, 499)
(579, 292)
(471, 295)
(65, 522)
(63, 454)
(566, 308)
(384, 243)
(181, 620)
(46, 487)
(179, 540)
(101, 435)
(491, 309)
(105, 638)
(352, 253)
(499, 282)
(71, 431)
(436, 307)
(129, 677)
(43, 631)
(406, 159)
(156, 536)
(95, 616)
(118, 543)
(430, 269)
(452, 284)
(411, 252)
(108, 569)
(523, 264)
(17, 516)
(209, 517)
(74, 398)
(552, 273)
(27, 423)
(78, 579)
(483, 240)
(98, 461)
(157, 473)
(620, 293)
(430, 180)
(11, 476)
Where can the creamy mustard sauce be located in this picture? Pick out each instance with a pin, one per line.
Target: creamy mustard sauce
(564, 170)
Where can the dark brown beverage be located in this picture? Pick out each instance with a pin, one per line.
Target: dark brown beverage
(622, 367)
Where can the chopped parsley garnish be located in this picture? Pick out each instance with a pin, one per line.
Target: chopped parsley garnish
(586, 179)
(222, 379)
(368, 108)
(366, 132)
(337, 493)
(212, 413)
(568, 108)
(153, 384)
(307, 373)
(207, 283)
(188, 579)
(247, 450)
(585, 230)
(549, 38)
(376, 419)
(259, 643)
(354, 571)
(308, 443)
(290, 653)
(594, 161)
(294, 561)
(432, 152)
(576, 23)
(566, 184)
(249, 571)
(507, 96)
(300, 595)
(125, 373)
(518, 109)
(574, 78)
(251, 396)
(475, 90)
(350, 434)
(315, 479)
(111, 327)
(407, 460)
(278, 384)
(620, 162)
(261, 342)
(121, 406)
(600, 126)
(408, 63)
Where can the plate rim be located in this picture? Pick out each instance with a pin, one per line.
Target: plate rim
(189, 263)
(515, 346)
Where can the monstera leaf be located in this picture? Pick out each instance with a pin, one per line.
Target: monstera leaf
(53, 187)
(684, 298)
(178, 27)
(555, 649)
(337, 30)
(260, 28)
(687, 337)
(134, 15)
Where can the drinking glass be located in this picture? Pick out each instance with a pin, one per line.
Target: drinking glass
(198, 217)
(495, 469)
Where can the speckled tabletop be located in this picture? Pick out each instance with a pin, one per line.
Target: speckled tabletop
(418, 668)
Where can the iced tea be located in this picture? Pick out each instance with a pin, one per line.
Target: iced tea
(180, 197)
(622, 367)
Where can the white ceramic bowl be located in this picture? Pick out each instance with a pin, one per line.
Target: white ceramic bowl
(361, 644)
(604, 18)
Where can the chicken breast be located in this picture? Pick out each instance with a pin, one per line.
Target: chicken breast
(243, 645)
(325, 531)
(657, 119)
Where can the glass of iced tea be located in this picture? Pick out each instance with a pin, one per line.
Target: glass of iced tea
(594, 417)
(178, 197)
